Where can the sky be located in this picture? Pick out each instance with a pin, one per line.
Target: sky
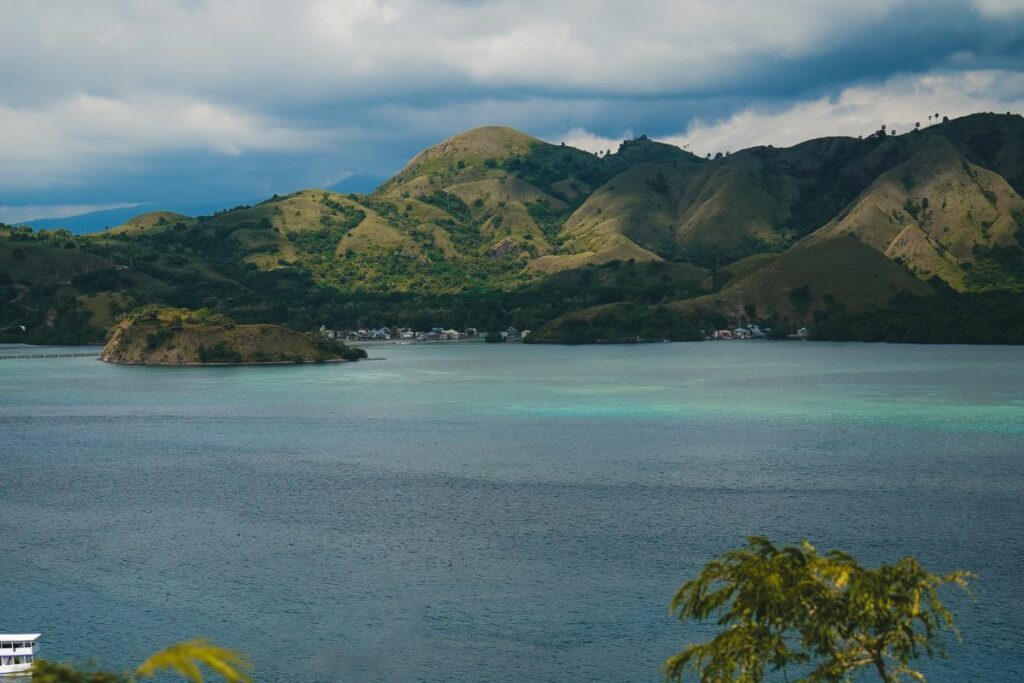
(117, 104)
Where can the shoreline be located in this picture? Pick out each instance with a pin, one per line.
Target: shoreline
(409, 342)
(251, 364)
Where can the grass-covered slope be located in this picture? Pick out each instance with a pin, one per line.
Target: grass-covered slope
(785, 291)
(630, 217)
(765, 199)
(940, 216)
(992, 141)
(517, 192)
(758, 200)
(472, 155)
(157, 335)
(62, 292)
(836, 272)
(149, 220)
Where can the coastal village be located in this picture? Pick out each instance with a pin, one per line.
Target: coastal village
(409, 335)
(511, 334)
(753, 331)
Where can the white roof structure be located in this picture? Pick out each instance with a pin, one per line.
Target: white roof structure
(19, 636)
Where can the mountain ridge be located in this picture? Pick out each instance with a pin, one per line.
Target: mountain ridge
(494, 226)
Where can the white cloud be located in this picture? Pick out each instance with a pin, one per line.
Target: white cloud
(79, 134)
(320, 50)
(582, 139)
(999, 8)
(899, 103)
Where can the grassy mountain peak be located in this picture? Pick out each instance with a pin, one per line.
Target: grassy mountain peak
(477, 149)
(149, 220)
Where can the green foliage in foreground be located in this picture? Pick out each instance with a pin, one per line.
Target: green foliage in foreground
(825, 615)
(184, 659)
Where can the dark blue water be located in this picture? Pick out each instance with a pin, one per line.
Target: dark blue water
(493, 512)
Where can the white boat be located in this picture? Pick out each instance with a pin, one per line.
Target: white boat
(17, 652)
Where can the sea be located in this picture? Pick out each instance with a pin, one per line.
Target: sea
(494, 512)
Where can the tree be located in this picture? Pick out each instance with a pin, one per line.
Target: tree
(181, 658)
(824, 614)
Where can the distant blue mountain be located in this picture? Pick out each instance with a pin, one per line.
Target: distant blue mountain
(98, 220)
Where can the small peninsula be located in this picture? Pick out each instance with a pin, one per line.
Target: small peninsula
(160, 335)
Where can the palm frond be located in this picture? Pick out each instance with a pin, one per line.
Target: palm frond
(184, 658)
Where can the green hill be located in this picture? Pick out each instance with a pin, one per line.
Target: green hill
(801, 282)
(758, 200)
(469, 156)
(839, 274)
(150, 220)
(992, 141)
(519, 190)
(494, 227)
(940, 216)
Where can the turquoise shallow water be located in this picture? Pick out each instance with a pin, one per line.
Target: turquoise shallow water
(493, 512)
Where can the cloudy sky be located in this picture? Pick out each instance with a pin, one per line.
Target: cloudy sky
(185, 102)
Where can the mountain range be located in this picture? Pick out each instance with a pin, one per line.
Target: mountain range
(912, 237)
